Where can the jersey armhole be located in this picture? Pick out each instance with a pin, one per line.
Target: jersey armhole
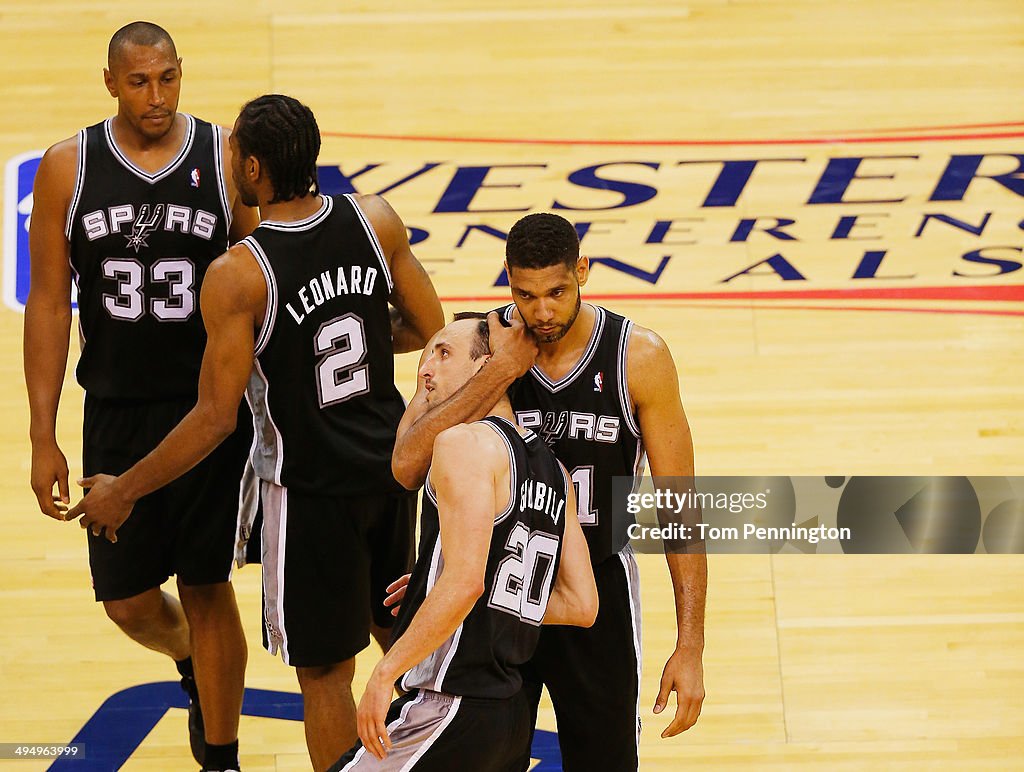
(371, 234)
(623, 367)
(222, 182)
(511, 473)
(270, 316)
(79, 184)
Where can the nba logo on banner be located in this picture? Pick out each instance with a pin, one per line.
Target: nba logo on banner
(21, 171)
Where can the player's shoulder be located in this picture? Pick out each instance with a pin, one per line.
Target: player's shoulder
(236, 274)
(63, 154)
(473, 443)
(382, 216)
(645, 346)
(57, 172)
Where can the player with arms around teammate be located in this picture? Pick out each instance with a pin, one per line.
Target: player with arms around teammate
(603, 392)
(501, 552)
(298, 319)
(136, 208)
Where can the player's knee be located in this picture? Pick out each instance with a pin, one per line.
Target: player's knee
(130, 613)
(337, 674)
(205, 601)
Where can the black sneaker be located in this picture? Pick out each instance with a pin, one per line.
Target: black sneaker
(196, 731)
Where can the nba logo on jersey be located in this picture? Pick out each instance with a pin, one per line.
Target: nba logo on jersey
(599, 382)
(195, 177)
(21, 171)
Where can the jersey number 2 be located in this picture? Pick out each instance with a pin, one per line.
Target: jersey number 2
(338, 375)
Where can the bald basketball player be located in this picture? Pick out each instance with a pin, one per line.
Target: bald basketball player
(136, 208)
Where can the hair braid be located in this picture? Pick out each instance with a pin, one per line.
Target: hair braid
(282, 133)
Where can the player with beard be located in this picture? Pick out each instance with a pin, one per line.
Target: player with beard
(603, 393)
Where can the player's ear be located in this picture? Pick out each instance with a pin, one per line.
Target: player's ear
(179, 67)
(583, 269)
(109, 82)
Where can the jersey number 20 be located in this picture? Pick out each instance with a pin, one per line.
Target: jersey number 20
(522, 583)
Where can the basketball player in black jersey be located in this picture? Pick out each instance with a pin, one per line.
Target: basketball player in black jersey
(501, 552)
(602, 393)
(136, 208)
(298, 319)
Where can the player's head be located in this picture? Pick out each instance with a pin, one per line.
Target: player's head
(545, 272)
(143, 73)
(454, 355)
(275, 139)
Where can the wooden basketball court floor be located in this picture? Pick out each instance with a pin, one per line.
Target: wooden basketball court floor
(470, 114)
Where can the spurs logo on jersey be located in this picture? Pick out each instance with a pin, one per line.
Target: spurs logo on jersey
(140, 243)
(587, 419)
(572, 424)
(172, 218)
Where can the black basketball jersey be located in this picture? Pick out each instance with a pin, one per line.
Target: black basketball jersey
(140, 246)
(482, 657)
(587, 419)
(322, 390)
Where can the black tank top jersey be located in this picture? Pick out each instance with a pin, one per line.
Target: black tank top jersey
(140, 246)
(322, 390)
(587, 419)
(482, 658)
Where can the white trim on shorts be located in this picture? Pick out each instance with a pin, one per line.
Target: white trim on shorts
(632, 572)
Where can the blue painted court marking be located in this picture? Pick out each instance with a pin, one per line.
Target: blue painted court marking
(125, 719)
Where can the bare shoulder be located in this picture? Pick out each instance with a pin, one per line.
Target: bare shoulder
(385, 220)
(375, 206)
(649, 364)
(236, 279)
(470, 446)
(59, 165)
(646, 348)
(64, 151)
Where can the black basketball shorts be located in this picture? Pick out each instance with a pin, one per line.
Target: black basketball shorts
(436, 732)
(326, 563)
(186, 528)
(593, 676)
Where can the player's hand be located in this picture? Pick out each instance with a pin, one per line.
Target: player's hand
(684, 675)
(49, 468)
(513, 346)
(396, 592)
(104, 508)
(370, 715)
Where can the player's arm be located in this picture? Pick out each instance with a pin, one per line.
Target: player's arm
(654, 389)
(418, 313)
(244, 219)
(469, 467)
(573, 599)
(48, 322)
(233, 297)
(513, 351)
